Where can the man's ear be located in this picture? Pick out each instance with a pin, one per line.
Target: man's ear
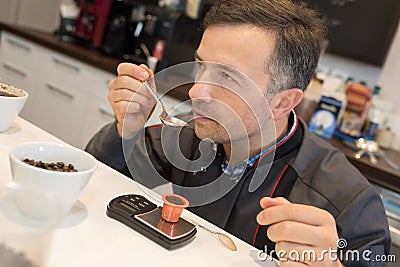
(283, 102)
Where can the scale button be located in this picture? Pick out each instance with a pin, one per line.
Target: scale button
(146, 203)
(141, 204)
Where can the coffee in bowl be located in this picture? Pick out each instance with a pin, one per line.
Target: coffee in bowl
(11, 91)
(7, 94)
(12, 100)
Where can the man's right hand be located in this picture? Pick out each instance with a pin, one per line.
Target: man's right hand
(131, 106)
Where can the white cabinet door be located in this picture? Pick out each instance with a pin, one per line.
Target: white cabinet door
(98, 114)
(21, 77)
(98, 110)
(60, 109)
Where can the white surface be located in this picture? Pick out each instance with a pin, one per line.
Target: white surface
(88, 237)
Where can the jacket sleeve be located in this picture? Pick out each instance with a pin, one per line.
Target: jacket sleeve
(106, 146)
(140, 158)
(363, 231)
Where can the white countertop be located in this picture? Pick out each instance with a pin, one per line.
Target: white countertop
(88, 238)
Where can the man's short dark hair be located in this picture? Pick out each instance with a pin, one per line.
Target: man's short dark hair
(300, 36)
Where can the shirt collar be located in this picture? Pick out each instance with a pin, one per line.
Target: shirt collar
(240, 166)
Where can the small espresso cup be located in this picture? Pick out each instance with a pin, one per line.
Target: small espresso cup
(12, 100)
(173, 207)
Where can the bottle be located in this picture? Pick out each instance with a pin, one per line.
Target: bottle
(357, 104)
(377, 115)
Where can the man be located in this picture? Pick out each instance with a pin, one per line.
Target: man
(311, 196)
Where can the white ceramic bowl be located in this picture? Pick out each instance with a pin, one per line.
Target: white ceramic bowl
(62, 188)
(10, 107)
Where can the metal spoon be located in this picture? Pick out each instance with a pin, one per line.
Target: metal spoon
(164, 116)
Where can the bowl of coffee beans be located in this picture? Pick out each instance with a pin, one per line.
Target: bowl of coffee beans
(59, 170)
(12, 100)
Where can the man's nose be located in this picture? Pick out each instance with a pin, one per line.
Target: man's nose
(201, 90)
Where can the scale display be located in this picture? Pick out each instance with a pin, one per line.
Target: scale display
(140, 214)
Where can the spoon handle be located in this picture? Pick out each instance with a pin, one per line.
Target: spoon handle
(205, 228)
(148, 87)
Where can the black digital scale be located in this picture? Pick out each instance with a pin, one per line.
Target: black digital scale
(143, 216)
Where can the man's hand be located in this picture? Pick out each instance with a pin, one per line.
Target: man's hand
(299, 229)
(130, 105)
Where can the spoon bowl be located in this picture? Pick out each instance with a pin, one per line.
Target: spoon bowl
(164, 116)
(223, 238)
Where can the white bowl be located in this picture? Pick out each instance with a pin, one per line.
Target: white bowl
(10, 107)
(62, 188)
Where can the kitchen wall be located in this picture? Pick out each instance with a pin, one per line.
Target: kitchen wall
(38, 14)
(390, 81)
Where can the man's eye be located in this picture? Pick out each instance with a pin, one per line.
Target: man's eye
(227, 76)
(200, 65)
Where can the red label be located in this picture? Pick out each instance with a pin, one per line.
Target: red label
(158, 50)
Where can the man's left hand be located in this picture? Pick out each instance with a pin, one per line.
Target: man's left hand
(304, 235)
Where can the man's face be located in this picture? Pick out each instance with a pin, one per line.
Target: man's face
(229, 101)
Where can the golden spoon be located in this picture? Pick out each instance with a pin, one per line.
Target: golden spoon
(164, 116)
(223, 238)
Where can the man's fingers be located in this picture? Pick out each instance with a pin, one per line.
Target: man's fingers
(295, 212)
(286, 249)
(295, 232)
(312, 256)
(125, 107)
(289, 263)
(267, 202)
(127, 95)
(134, 71)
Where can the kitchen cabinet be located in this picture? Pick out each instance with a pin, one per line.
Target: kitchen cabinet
(67, 97)
(62, 91)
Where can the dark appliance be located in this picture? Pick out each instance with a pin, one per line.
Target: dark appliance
(124, 26)
(132, 23)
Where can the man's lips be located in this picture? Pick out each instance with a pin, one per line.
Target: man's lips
(200, 116)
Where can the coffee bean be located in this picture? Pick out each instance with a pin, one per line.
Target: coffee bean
(59, 166)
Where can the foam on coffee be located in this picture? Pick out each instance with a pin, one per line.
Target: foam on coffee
(11, 91)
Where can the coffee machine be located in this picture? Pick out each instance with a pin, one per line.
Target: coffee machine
(92, 21)
(134, 24)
